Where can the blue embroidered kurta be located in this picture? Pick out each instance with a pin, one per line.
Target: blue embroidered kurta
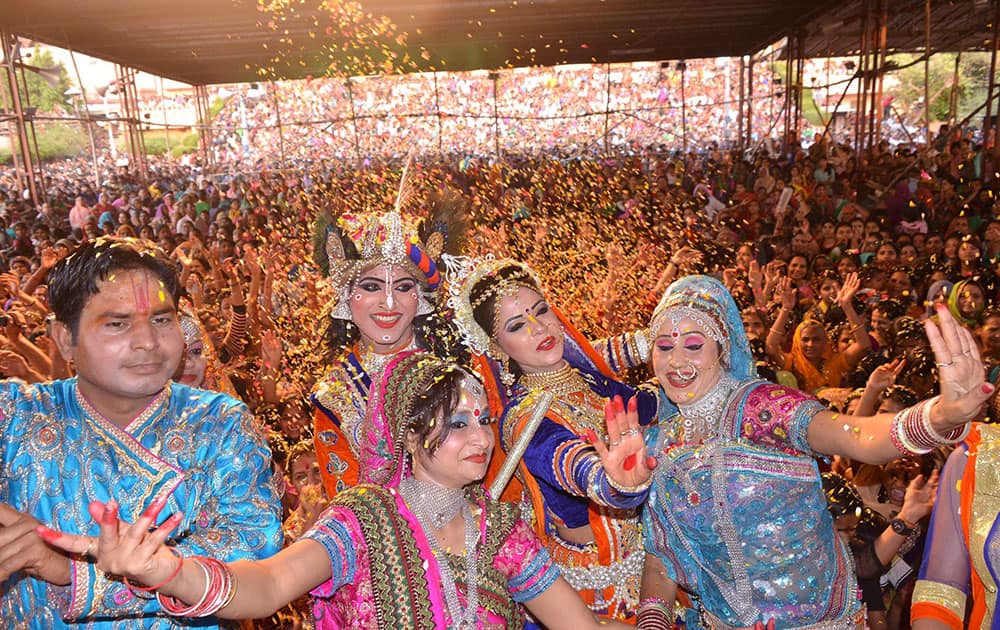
(195, 447)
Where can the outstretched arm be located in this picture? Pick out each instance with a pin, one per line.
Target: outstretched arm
(260, 587)
(964, 390)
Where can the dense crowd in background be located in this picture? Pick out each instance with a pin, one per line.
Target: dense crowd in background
(800, 236)
(527, 109)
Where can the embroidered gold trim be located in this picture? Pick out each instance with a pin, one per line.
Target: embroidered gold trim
(926, 591)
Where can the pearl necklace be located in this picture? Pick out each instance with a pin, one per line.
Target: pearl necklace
(435, 506)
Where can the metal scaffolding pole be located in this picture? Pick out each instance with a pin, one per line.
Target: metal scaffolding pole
(166, 124)
(879, 76)
(354, 119)
(861, 103)
(205, 139)
(989, 128)
(750, 102)
(739, 111)
(129, 98)
(682, 66)
(22, 121)
(89, 123)
(953, 100)
(607, 107)
(800, 64)
(495, 77)
(927, 70)
(281, 132)
(437, 108)
(787, 114)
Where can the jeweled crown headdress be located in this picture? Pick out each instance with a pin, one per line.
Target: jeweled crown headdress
(346, 246)
(463, 274)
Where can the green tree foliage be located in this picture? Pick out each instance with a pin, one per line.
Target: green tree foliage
(908, 84)
(41, 94)
(55, 141)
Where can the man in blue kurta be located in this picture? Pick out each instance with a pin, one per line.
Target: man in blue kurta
(121, 430)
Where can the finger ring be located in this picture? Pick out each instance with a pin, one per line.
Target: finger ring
(630, 432)
(615, 443)
(941, 365)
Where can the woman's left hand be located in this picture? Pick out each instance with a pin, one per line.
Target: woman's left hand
(964, 389)
(624, 458)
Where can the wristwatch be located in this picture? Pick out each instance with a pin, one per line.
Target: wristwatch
(900, 527)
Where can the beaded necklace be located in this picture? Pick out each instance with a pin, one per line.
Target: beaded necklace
(434, 506)
(573, 392)
(700, 419)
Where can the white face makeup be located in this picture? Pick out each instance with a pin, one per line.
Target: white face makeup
(383, 304)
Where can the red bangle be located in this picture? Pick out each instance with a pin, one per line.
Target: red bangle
(148, 589)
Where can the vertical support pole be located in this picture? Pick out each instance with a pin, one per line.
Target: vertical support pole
(281, 129)
(129, 99)
(800, 64)
(739, 111)
(11, 47)
(354, 119)
(89, 122)
(30, 129)
(989, 129)
(607, 108)
(437, 108)
(953, 100)
(880, 77)
(787, 116)
(927, 70)
(166, 124)
(749, 139)
(682, 66)
(204, 134)
(495, 77)
(861, 103)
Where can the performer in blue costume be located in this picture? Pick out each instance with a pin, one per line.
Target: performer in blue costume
(120, 429)
(589, 522)
(736, 515)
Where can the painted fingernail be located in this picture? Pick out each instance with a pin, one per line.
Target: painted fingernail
(46, 534)
(154, 508)
(591, 436)
(110, 512)
(629, 462)
(988, 388)
(632, 404)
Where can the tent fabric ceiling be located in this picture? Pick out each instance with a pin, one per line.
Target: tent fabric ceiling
(228, 41)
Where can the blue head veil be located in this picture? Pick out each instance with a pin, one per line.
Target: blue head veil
(708, 301)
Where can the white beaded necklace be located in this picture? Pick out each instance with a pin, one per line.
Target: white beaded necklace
(435, 506)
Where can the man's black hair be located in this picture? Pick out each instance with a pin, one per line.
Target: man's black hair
(74, 279)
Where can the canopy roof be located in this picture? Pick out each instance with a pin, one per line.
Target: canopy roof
(227, 41)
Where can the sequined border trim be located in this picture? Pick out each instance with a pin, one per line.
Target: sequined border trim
(949, 597)
(123, 435)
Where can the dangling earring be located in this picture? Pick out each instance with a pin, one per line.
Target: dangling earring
(424, 306)
(343, 308)
(505, 375)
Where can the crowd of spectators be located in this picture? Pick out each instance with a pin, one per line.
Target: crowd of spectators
(835, 258)
(568, 108)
